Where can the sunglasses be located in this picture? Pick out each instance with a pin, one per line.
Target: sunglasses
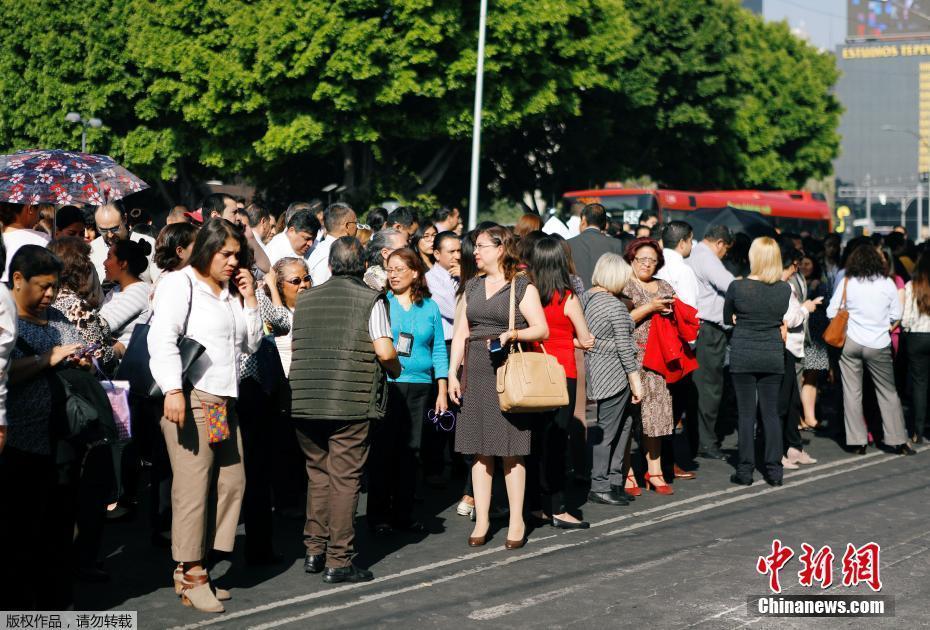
(108, 230)
(296, 281)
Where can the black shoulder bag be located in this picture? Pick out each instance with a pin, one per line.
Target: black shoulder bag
(135, 364)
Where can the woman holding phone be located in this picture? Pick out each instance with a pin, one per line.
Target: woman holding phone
(201, 430)
(650, 296)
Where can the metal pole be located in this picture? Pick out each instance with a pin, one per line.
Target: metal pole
(868, 202)
(920, 211)
(84, 139)
(904, 213)
(476, 130)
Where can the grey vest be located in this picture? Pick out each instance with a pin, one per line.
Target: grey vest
(335, 374)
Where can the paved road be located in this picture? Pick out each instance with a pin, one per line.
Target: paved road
(685, 561)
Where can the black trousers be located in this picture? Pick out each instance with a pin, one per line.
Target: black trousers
(789, 404)
(392, 461)
(918, 361)
(710, 349)
(545, 466)
(755, 392)
(257, 415)
(146, 415)
(27, 481)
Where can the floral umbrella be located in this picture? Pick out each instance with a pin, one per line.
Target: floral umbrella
(64, 177)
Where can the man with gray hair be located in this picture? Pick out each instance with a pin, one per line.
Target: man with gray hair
(340, 220)
(383, 243)
(343, 348)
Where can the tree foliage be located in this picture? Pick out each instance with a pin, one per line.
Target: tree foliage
(377, 94)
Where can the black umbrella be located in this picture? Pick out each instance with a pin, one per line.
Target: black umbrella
(752, 224)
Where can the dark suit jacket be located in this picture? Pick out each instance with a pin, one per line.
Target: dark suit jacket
(588, 247)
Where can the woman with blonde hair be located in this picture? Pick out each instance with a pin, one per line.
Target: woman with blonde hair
(613, 378)
(756, 307)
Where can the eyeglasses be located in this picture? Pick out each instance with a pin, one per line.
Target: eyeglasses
(646, 261)
(296, 281)
(483, 245)
(348, 223)
(397, 269)
(108, 230)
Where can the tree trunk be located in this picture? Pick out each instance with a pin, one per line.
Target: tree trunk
(433, 173)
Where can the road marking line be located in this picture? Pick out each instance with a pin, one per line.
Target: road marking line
(870, 460)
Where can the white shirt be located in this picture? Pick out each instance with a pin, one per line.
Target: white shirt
(443, 288)
(318, 261)
(122, 309)
(678, 274)
(555, 226)
(873, 305)
(7, 342)
(279, 247)
(285, 345)
(99, 250)
(221, 324)
(14, 239)
(574, 226)
(794, 318)
(913, 320)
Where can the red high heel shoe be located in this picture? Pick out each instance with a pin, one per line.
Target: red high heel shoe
(661, 489)
(634, 490)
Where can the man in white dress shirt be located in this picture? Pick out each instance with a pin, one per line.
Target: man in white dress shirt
(340, 220)
(677, 241)
(111, 225)
(295, 241)
(448, 220)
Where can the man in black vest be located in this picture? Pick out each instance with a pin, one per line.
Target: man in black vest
(592, 243)
(342, 349)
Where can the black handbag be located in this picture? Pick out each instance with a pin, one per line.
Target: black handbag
(135, 364)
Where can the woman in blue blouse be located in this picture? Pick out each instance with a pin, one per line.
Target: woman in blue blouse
(416, 325)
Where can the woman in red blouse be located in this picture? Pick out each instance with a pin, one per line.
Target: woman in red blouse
(549, 266)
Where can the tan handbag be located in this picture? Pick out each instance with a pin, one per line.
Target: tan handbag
(529, 382)
(835, 334)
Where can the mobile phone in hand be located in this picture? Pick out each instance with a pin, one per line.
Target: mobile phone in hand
(495, 346)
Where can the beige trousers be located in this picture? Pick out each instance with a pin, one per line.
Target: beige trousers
(208, 484)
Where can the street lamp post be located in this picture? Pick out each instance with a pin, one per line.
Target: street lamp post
(476, 130)
(96, 123)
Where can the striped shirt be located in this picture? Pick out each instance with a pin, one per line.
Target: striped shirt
(613, 355)
(122, 308)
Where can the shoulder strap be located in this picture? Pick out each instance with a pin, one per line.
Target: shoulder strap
(843, 300)
(190, 305)
(513, 304)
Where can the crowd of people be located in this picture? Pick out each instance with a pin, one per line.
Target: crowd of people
(240, 357)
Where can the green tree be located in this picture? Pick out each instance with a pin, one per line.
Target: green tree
(377, 94)
(716, 98)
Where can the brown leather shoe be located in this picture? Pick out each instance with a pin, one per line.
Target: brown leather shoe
(683, 474)
(514, 544)
(477, 541)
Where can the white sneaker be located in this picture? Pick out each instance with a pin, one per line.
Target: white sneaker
(804, 458)
(787, 463)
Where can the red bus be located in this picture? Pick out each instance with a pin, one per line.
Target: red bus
(788, 210)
